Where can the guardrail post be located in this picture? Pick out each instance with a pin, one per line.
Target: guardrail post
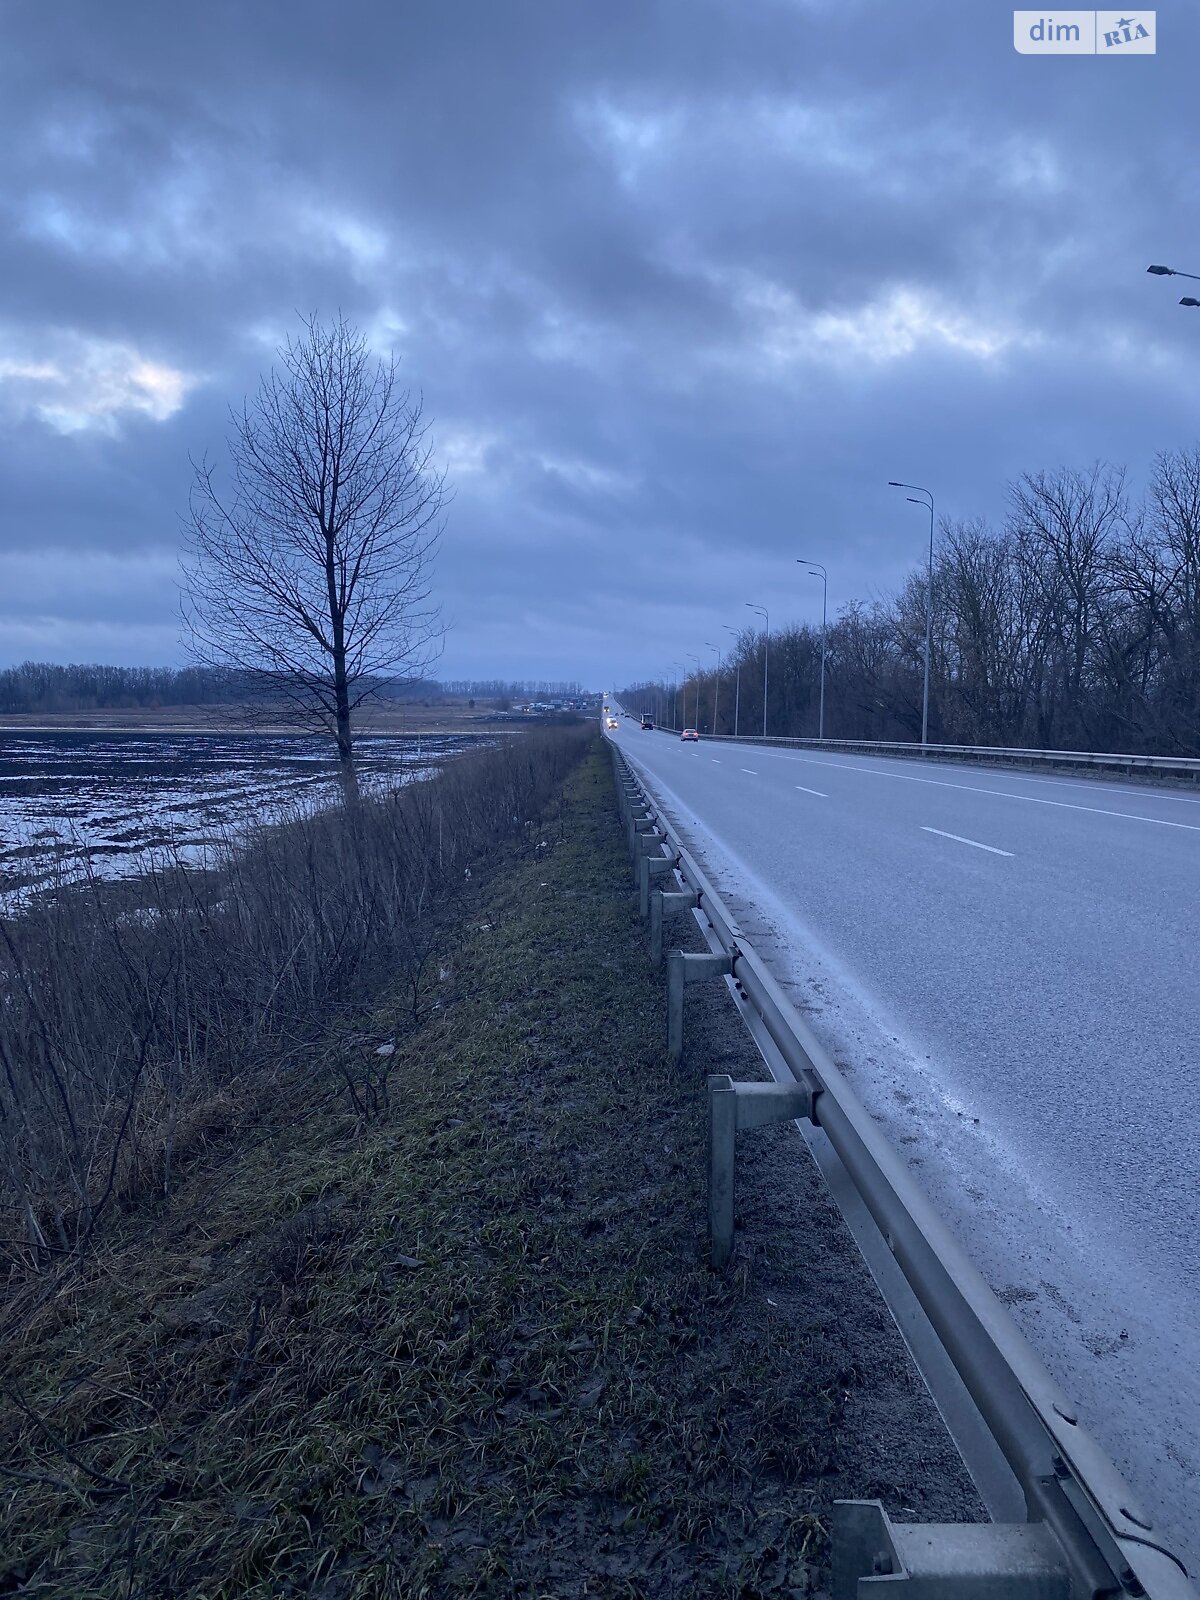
(675, 1004)
(649, 868)
(683, 967)
(722, 1145)
(731, 1107)
(646, 842)
(663, 901)
(639, 822)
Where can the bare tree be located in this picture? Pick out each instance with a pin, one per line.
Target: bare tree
(1066, 525)
(307, 569)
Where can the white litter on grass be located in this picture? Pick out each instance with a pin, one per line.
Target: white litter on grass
(443, 974)
(385, 1049)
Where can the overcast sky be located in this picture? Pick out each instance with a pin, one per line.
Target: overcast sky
(683, 284)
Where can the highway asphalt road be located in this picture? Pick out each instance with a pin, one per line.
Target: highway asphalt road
(1008, 968)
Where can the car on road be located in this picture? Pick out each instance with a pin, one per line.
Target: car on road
(690, 733)
(613, 723)
(648, 723)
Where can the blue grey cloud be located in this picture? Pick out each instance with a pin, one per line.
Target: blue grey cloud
(683, 283)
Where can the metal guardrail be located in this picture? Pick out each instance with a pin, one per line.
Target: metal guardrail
(1185, 767)
(1084, 1534)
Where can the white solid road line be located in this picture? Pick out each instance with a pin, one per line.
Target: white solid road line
(1127, 789)
(1002, 794)
(958, 839)
(820, 794)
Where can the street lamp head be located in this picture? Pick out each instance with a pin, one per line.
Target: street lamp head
(1188, 300)
(1162, 272)
(912, 501)
(892, 484)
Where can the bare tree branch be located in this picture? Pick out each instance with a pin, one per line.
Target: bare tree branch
(308, 570)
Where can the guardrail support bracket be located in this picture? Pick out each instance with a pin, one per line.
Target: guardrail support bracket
(683, 967)
(661, 902)
(872, 1555)
(643, 843)
(731, 1107)
(649, 868)
(639, 822)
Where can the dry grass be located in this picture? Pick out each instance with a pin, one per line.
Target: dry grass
(132, 1016)
(468, 1347)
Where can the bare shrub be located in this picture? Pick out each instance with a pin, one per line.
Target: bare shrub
(129, 1041)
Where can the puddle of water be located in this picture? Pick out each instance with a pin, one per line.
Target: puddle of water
(72, 802)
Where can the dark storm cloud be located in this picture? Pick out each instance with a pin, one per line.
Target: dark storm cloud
(682, 285)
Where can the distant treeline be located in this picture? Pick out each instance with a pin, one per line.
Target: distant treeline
(1075, 625)
(502, 689)
(42, 686)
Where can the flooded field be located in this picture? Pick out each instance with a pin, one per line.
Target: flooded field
(71, 802)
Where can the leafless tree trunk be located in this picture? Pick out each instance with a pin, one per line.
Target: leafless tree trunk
(307, 566)
(1066, 526)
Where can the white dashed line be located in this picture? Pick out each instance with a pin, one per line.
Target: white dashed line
(818, 792)
(751, 771)
(1000, 794)
(958, 839)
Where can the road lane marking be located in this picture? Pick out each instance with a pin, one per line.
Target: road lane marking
(819, 793)
(751, 771)
(1002, 794)
(958, 838)
(714, 761)
(1126, 789)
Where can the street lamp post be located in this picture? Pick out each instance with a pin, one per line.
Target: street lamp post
(892, 484)
(762, 611)
(696, 723)
(816, 570)
(1173, 272)
(716, 683)
(737, 682)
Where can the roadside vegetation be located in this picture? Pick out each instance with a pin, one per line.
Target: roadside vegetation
(138, 1022)
(438, 1322)
(1074, 626)
(47, 688)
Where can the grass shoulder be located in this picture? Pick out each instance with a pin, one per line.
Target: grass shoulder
(467, 1345)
